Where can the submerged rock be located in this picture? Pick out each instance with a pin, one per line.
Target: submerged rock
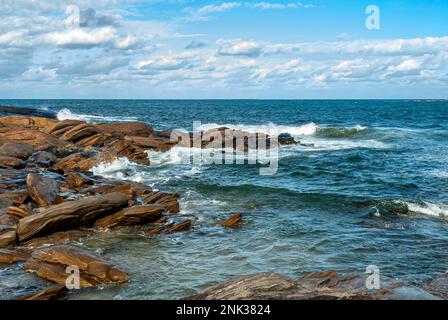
(286, 139)
(61, 237)
(438, 286)
(233, 221)
(53, 293)
(70, 215)
(51, 263)
(170, 201)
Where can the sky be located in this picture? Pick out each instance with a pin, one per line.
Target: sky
(184, 49)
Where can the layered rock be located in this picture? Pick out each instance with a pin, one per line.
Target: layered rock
(51, 264)
(8, 236)
(132, 216)
(170, 201)
(70, 215)
(233, 221)
(12, 256)
(138, 129)
(42, 190)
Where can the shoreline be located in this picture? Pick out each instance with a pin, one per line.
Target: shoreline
(49, 197)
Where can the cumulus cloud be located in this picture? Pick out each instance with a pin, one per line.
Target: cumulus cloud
(239, 48)
(82, 37)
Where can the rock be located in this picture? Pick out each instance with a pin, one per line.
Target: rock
(12, 256)
(138, 129)
(16, 150)
(79, 132)
(77, 161)
(54, 293)
(126, 149)
(131, 216)
(14, 198)
(8, 110)
(50, 264)
(57, 238)
(8, 220)
(98, 140)
(131, 189)
(20, 212)
(39, 140)
(42, 190)
(77, 180)
(70, 215)
(42, 159)
(180, 227)
(61, 127)
(154, 143)
(318, 286)
(286, 139)
(438, 286)
(233, 222)
(24, 121)
(168, 200)
(8, 236)
(10, 162)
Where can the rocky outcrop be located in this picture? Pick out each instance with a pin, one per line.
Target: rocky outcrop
(42, 159)
(8, 236)
(78, 180)
(138, 129)
(126, 149)
(79, 132)
(317, 286)
(12, 256)
(11, 163)
(131, 216)
(39, 140)
(70, 215)
(16, 150)
(62, 237)
(170, 201)
(51, 263)
(53, 293)
(42, 190)
(25, 121)
(286, 139)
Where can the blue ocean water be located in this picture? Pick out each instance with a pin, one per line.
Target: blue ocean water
(373, 190)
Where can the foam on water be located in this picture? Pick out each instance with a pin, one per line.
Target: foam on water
(270, 128)
(67, 114)
(427, 208)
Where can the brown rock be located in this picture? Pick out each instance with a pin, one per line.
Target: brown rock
(27, 121)
(139, 129)
(20, 212)
(70, 215)
(60, 127)
(77, 180)
(50, 264)
(233, 222)
(8, 236)
(15, 198)
(54, 293)
(78, 161)
(130, 189)
(180, 227)
(98, 140)
(12, 256)
(126, 149)
(168, 200)
(131, 216)
(57, 238)
(16, 150)
(37, 139)
(42, 190)
(10, 162)
(154, 143)
(79, 132)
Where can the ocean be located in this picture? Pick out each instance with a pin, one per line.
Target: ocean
(372, 190)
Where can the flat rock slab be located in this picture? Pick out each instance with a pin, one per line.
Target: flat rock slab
(53, 293)
(70, 215)
(12, 256)
(51, 264)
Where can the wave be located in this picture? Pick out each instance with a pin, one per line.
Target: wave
(67, 114)
(308, 129)
(335, 132)
(402, 207)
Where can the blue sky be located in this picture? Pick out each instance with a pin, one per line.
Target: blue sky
(222, 49)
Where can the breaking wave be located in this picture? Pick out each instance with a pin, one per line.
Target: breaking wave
(67, 114)
(420, 207)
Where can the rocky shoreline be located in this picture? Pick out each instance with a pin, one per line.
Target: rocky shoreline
(49, 198)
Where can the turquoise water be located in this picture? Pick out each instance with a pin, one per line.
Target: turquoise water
(372, 191)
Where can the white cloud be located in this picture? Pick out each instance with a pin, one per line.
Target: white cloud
(82, 38)
(239, 48)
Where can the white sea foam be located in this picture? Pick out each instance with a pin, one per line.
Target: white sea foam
(67, 114)
(270, 128)
(427, 208)
(341, 144)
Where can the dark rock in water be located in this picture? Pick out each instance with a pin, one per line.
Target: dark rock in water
(70, 215)
(168, 200)
(438, 286)
(12, 256)
(42, 190)
(131, 216)
(54, 293)
(286, 139)
(50, 264)
(17, 150)
(42, 159)
(9, 110)
(233, 221)
(317, 286)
